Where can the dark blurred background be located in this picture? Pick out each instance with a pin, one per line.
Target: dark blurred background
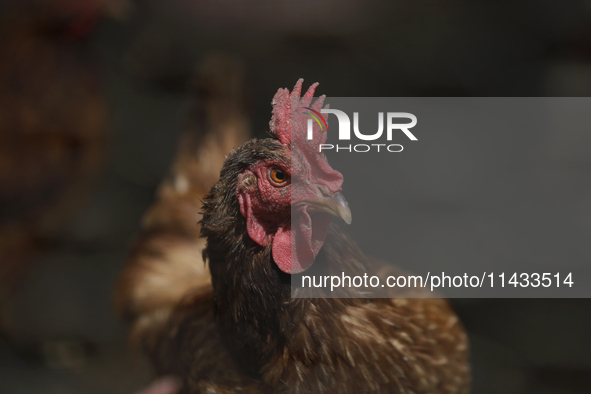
(93, 99)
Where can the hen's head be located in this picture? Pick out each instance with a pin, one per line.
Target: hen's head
(289, 194)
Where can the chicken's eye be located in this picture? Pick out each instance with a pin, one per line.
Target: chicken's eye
(277, 175)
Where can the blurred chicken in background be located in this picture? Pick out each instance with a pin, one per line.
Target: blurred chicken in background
(52, 127)
(164, 262)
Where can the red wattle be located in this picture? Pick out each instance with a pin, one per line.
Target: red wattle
(294, 251)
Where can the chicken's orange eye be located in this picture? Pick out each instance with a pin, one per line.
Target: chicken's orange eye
(278, 175)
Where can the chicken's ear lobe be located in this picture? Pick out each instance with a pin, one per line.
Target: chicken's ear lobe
(256, 231)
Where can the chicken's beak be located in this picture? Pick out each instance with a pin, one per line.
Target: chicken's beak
(335, 205)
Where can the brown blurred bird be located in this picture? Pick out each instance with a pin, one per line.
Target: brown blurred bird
(246, 333)
(52, 122)
(165, 262)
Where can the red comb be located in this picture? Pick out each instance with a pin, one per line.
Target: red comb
(290, 124)
(290, 114)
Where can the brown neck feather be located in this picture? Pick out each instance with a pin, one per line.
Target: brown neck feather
(254, 309)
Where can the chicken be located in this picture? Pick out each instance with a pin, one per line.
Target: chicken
(245, 332)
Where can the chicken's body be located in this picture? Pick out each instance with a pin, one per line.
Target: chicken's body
(246, 333)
